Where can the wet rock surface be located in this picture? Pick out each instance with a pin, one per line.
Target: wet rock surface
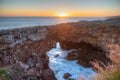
(72, 55)
(67, 75)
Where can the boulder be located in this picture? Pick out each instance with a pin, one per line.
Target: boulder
(66, 75)
(72, 55)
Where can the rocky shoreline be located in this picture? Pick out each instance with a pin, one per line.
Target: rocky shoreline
(94, 40)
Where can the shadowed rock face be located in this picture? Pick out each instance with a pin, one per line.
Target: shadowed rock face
(85, 53)
(91, 39)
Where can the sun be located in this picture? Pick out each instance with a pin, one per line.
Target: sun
(62, 14)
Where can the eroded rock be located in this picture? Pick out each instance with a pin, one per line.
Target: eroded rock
(67, 75)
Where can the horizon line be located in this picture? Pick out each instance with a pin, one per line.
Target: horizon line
(62, 17)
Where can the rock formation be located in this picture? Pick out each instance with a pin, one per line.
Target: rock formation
(93, 40)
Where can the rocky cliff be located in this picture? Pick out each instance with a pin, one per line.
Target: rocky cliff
(93, 40)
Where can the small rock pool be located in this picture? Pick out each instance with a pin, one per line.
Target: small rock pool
(65, 69)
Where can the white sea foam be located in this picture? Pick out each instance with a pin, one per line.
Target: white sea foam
(60, 65)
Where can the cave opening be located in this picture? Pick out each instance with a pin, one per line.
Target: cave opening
(86, 53)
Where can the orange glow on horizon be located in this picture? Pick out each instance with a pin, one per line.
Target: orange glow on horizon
(54, 14)
(60, 8)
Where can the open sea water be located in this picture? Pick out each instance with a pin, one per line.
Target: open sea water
(18, 22)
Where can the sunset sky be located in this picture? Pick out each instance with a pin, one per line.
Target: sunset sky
(68, 8)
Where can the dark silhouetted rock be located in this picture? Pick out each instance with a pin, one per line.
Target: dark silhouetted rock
(66, 75)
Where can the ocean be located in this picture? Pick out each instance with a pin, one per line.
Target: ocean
(18, 22)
